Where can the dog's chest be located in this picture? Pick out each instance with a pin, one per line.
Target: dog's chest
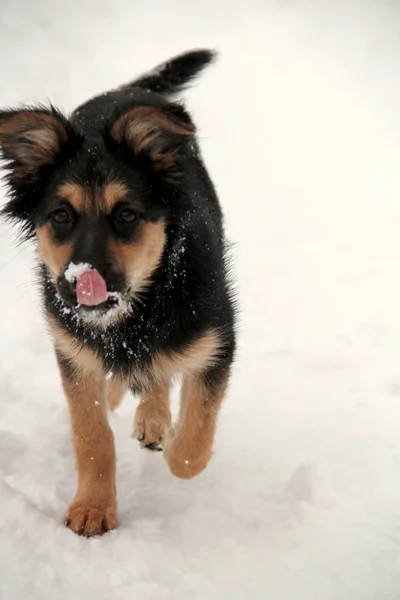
(120, 349)
(135, 356)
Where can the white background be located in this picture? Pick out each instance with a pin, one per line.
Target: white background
(299, 125)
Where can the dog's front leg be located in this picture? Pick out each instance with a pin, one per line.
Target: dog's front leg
(188, 446)
(94, 509)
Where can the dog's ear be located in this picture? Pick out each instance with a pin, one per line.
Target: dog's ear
(158, 133)
(30, 139)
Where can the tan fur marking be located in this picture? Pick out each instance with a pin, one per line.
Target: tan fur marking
(188, 447)
(45, 139)
(94, 200)
(113, 193)
(38, 138)
(25, 121)
(83, 359)
(140, 258)
(142, 125)
(153, 416)
(94, 509)
(195, 359)
(54, 256)
(75, 195)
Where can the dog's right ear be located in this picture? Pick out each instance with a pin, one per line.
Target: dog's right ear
(29, 140)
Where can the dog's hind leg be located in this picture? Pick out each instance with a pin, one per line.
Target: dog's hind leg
(153, 417)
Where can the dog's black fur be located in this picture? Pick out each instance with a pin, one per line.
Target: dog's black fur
(190, 292)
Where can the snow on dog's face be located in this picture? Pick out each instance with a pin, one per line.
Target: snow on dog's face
(95, 197)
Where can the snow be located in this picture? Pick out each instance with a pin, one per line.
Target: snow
(298, 122)
(74, 271)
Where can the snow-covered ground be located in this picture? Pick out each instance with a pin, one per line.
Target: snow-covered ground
(299, 122)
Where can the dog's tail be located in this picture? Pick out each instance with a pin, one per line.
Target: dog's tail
(174, 75)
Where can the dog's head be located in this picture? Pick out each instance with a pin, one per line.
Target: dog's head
(96, 196)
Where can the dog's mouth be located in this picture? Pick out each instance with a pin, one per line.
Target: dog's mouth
(116, 306)
(84, 292)
(114, 299)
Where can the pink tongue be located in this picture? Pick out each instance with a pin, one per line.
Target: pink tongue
(91, 289)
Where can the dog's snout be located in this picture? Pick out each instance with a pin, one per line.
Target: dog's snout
(66, 290)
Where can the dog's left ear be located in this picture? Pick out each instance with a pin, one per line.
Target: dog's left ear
(29, 140)
(158, 133)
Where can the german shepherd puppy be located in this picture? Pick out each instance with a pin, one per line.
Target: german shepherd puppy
(132, 269)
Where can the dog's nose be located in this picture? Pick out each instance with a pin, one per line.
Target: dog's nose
(66, 290)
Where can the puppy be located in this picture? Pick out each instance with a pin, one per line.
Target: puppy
(132, 270)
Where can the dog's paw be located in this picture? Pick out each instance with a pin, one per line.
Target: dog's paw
(152, 422)
(185, 458)
(90, 518)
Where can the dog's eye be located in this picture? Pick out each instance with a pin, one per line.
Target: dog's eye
(126, 215)
(63, 221)
(61, 216)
